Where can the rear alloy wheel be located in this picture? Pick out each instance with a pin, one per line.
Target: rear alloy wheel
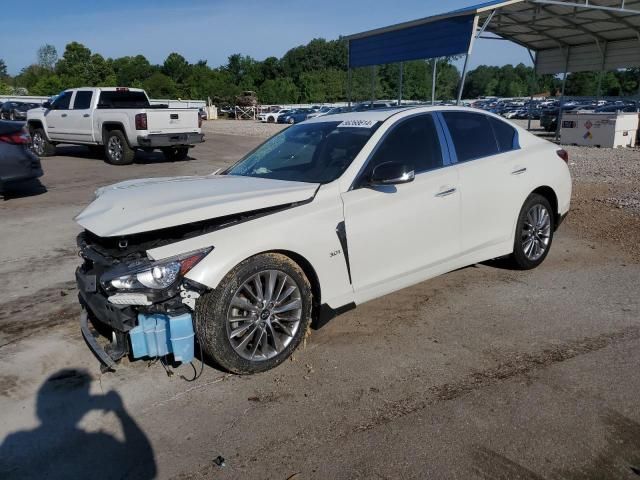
(117, 150)
(40, 144)
(270, 120)
(534, 233)
(257, 316)
(175, 154)
(291, 121)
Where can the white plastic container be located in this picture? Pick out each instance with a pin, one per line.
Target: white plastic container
(610, 130)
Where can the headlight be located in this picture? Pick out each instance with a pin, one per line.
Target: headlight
(155, 275)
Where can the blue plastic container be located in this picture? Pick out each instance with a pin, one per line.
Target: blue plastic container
(158, 334)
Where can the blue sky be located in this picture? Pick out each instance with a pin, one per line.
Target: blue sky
(213, 29)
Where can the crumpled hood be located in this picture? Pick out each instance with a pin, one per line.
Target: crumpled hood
(136, 206)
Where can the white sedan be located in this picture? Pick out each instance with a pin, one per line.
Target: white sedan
(324, 216)
(272, 117)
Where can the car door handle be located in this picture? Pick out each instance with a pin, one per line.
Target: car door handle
(519, 171)
(86, 115)
(63, 115)
(447, 192)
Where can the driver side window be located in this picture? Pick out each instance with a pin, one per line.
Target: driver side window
(62, 102)
(414, 142)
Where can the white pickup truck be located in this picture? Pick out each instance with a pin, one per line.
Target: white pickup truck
(116, 121)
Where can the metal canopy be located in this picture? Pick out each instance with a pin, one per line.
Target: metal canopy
(567, 35)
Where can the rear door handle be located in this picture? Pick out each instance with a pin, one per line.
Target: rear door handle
(445, 193)
(86, 115)
(519, 171)
(63, 115)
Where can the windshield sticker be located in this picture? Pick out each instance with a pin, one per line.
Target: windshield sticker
(358, 124)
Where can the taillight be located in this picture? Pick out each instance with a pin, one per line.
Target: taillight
(564, 155)
(141, 121)
(16, 138)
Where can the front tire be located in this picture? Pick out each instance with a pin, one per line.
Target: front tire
(291, 121)
(534, 233)
(175, 154)
(116, 149)
(257, 316)
(40, 144)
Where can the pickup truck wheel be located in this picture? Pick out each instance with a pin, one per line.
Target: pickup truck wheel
(117, 150)
(534, 233)
(40, 144)
(257, 316)
(175, 154)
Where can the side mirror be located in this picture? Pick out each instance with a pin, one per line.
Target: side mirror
(392, 173)
(47, 105)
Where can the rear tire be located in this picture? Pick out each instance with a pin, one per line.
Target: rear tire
(291, 121)
(534, 233)
(40, 144)
(116, 149)
(175, 154)
(245, 334)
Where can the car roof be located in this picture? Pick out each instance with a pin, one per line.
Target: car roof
(382, 114)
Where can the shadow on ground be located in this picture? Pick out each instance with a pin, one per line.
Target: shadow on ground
(26, 188)
(141, 158)
(59, 449)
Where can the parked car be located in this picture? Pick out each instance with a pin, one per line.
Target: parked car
(13, 110)
(324, 216)
(272, 117)
(17, 160)
(115, 120)
(295, 116)
(321, 111)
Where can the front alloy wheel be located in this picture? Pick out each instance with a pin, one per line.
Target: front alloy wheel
(264, 315)
(257, 315)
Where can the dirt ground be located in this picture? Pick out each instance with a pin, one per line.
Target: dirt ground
(482, 373)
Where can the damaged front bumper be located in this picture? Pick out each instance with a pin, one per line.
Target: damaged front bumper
(149, 324)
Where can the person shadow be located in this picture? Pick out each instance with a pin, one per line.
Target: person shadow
(59, 449)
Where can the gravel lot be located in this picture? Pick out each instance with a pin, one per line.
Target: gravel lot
(481, 373)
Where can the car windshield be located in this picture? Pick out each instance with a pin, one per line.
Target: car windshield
(312, 153)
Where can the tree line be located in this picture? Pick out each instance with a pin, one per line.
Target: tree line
(311, 73)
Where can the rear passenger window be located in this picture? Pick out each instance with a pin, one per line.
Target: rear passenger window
(472, 135)
(413, 141)
(506, 135)
(83, 100)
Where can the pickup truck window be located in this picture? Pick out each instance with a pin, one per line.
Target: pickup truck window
(312, 153)
(123, 99)
(82, 100)
(62, 102)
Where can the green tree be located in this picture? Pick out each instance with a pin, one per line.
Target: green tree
(176, 67)
(3, 69)
(160, 85)
(132, 71)
(47, 56)
(279, 90)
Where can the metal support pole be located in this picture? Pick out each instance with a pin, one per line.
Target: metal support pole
(433, 81)
(400, 79)
(349, 86)
(373, 84)
(564, 84)
(534, 84)
(603, 51)
(464, 77)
